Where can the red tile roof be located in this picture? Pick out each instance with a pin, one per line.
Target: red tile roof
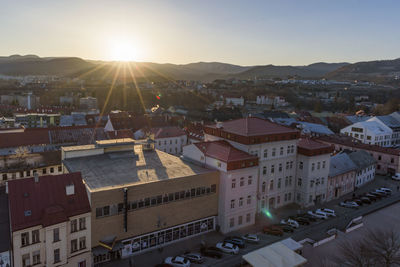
(223, 151)
(120, 134)
(167, 132)
(310, 147)
(46, 201)
(252, 126)
(24, 138)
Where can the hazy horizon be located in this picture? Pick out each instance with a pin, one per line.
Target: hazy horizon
(180, 32)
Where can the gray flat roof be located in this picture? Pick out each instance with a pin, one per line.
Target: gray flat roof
(118, 169)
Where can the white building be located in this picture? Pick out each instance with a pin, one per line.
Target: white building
(370, 132)
(53, 226)
(365, 164)
(276, 148)
(169, 139)
(237, 203)
(88, 103)
(235, 101)
(313, 161)
(393, 122)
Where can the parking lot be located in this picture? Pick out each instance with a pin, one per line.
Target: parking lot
(344, 215)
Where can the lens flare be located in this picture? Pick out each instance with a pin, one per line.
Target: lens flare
(267, 213)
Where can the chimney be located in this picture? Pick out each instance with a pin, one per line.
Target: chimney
(36, 177)
(70, 189)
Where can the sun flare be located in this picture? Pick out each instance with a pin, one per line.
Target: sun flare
(124, 51)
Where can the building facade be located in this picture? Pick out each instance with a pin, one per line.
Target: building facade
(342, 175)
(169, 139)
(365, 164)
(53, 227)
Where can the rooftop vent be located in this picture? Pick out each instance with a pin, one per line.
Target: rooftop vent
(70, 189)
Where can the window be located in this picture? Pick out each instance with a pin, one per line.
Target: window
(106, 210)
(286, 181)
(319, 165)
(240, 221)
(219, 164)
(379, 157)
(232, 222)
(288, 150)
(281, 151)
(287, 165)
(82, 223)
(311, 183)
(36, 257)
(263, 187)
(298, 197)
(242, 181)
(310, 199)
(44, 171)
(74, 245)
(279, 182)
(59, 168)
(290, 196)
(213, 188)
(312, 166)
(74, 226)
(24, 239)
(248, 200)
(271, 185)
(265, 153)
(99, 212)
(56, 255)
(323, 164)
(56, 234)
(248, 217)
(274, 152)
(290, 180)
(26, 260)
(285, 197)
(322, 180)
(82, 242)
(240, 202)
(233, 183)
(299, 182)
(264, 170)
(300, 165)
(232, 204)
(280, 167)
(5, 176)
(52, 170)
(35, 236)
(292, 149)
(272, 168)
(250, 180)
(278, 199)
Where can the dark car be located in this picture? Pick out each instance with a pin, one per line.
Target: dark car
(301, 220)
(377, 195)
(308, 217)
(370, 196)
(365, 200)
(212, 252)
(358, 201)
(273, 230)
(285, 227)
(236, 241)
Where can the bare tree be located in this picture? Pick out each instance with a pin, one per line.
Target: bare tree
(353, 254)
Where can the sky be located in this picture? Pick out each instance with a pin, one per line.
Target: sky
(281, 32)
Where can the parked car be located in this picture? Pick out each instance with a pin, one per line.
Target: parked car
(228, 247)
(383, 193)
(308, 217)
(396, 177)
(377, 195)
(349, 204)
(236, 241)
(177, 261)
(291, 223)
(370, 196)
(358, 201)
(285, 227)
(386, 190)
(328, 212)
(193, 257)
(301, 220)
(319, 215)
(212, 252)
(365, 200)
(251, 238)
(273, 230)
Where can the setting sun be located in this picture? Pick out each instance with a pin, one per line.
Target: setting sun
(124, 51)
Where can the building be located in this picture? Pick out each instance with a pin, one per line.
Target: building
(342, 173)
(5, 241)
(142, 198)
(27, 100)
(234, 101)
(25, 165)
(38, 120)
(75, 119)
(169, 139)
(365, 164)
(50, 221)
(313, 159)
(66, 100)
(387, 159)
(88, 103)
(237, 203)
(276, 148)
(393, 122)
(313, 129)
(369, 132)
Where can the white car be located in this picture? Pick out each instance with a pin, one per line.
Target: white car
(193, 257)
(328, 212)
(319, 215)
(291, 223)
(386, 190)
(228, 247)
(396, 177)
(177, 261)
(251, 238)
(349, 204)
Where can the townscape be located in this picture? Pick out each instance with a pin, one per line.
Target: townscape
(125, 162)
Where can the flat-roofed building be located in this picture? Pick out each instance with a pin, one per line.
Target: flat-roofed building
(342, 176)
(142, 198)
